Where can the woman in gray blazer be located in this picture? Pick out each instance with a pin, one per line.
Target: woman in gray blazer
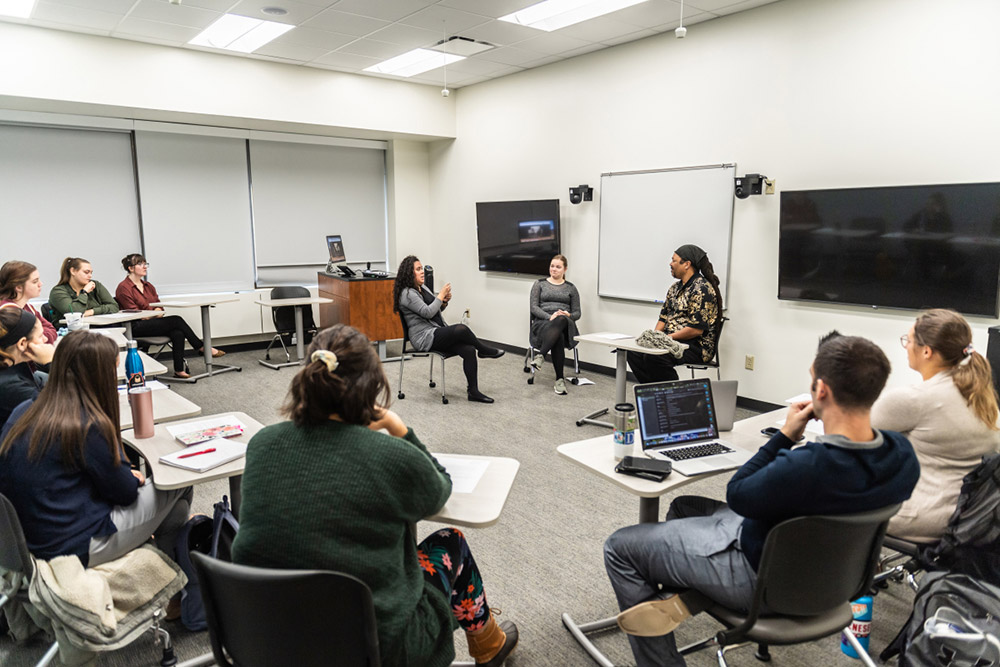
(426, 328)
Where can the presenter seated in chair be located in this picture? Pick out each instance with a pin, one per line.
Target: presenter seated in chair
(428, 331)
(137, 293)
(555, 308)
(690, 315)
(372, 488)
(708, 551)
(22, 346)
(63, 468)
(950, 418)
(78, 292)
(19, 283)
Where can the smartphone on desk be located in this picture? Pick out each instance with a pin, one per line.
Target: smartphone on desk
(639, 466)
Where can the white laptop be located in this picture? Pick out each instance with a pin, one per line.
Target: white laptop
(677, 423)
(724, 396)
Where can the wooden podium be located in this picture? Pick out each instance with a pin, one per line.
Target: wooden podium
(363, 303)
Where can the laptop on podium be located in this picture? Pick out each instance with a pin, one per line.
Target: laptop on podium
(677, 423)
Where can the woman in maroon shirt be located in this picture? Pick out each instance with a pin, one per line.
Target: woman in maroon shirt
(19, 282)
(136, 293)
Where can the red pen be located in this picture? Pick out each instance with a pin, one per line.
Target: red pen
(204, 451)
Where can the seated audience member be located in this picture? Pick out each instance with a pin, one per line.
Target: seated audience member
(77, 292)
(137, 293)
(950, 418)
(19, 283)
(427, 329)
(690, 315)
(555, 308)
(373, 487)
(22, 344)
(713, 549)
(62, 465)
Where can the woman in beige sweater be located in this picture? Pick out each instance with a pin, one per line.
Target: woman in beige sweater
(950, 418)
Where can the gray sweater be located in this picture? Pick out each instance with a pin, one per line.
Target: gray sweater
(421, 318)
(546, 299)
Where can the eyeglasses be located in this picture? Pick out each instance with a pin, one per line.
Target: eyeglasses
(142, 264)
(904, 340)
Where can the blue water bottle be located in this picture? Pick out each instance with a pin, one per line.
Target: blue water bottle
(134, 372)
(861, 626)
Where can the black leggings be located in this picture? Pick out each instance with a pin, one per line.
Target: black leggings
(552, 339)
(173, 326)
(459, 339)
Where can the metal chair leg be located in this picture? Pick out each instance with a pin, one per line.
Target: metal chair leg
(402, 357)
(430, 374)
(444, 387)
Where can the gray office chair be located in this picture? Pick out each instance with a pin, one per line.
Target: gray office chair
(810, 570)
(714, 361)
(413, 353)
(530, 354)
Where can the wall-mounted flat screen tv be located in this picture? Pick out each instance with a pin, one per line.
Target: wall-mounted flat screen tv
(910, 247)
(518, 236)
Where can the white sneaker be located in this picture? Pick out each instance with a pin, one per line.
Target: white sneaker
(538, 361)
(560, 387)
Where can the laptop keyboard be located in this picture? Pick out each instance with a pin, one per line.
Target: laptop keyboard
(696, 451)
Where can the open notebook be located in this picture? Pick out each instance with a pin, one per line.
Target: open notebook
(206, 455)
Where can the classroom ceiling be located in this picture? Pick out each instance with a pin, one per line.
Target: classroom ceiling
(350, 35)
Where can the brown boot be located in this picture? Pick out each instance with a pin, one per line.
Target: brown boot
(491, 645)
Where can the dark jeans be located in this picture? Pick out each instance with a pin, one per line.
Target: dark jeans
(173, 326)
(459, 339)
(660, 367)
(552, 340)
(448, 565)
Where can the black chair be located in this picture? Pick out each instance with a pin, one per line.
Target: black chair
(49, 314)
(413, 353)
(270, 617)
(714, 361)
(810, 570)
(283, 318)
(530, 354)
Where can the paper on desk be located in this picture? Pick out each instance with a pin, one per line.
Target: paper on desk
(610, 335)
(465, 473)
(813, 426)
(152, 384)
(804, 396)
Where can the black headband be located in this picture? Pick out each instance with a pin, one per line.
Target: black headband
(691, 253)
(19, 330)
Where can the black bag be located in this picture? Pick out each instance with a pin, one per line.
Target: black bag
(213, 537)
(955, 623)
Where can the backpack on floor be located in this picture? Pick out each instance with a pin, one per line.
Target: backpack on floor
(955, 623)
(212, 536)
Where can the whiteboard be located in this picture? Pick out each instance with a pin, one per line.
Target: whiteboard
(646, 215)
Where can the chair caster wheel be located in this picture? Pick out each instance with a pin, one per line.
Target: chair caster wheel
(531, 380)
(580, 423)
(432, 384)
(444, 400)
(762, 653)
(526, 369)
(400, 395)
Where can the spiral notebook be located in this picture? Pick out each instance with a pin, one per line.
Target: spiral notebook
(205, 456)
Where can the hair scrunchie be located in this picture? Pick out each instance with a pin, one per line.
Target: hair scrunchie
(327, 357)
(967, 353)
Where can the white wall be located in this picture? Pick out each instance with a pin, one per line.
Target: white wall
(813, 93)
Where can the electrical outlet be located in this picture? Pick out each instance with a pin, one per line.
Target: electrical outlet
(467, 314)
(769, 186)
(748, 364)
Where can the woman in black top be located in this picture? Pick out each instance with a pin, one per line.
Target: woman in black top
(22, 344)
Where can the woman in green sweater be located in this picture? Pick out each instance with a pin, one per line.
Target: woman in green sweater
(328, 491)
(78, 292)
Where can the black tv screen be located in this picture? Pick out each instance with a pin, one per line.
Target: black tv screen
(910, 247)
(518, 236)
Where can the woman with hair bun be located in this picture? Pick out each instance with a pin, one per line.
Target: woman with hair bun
(19, 283)
(555, 307)
(372, 487)
(22, 345)
(950, 418)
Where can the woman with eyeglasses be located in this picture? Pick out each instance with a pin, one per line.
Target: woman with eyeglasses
(950, 418)
(137, 293)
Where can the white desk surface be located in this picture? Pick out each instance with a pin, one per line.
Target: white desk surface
(597, 456)
(194, 303)
(629, 344)
(483, 506)
(167, 406)
(296, 301)
(117, 334)
(119, 317)
(150, 366)
(169, 477)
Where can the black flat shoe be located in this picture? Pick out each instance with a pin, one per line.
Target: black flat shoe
(496, 354)
(479, 397)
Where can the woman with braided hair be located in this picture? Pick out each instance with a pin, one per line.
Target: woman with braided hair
(950, 418)
(691, 314)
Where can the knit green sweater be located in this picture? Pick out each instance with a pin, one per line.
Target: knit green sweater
(342, 497)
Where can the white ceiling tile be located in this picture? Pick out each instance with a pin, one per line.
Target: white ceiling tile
(75, 16)
(373, 49)
(501, 33)
(436, 77)
(295, 52)
(446, 19)
(61, 26)
(298, 12)
(510, 55)
(476, 66)
(741, 6)
(214, 5)
(409, 36)
(652, 12)
(119, 7)
(552, 43)
(346, 61)
(599, 29)
(491, 8)
(639, 34)
(164, 32)
(323, 4)
(547, 60)
(158, 10)
(348, 24)
(149, 40)
(320, 39)
(582, 50)
(388, 10)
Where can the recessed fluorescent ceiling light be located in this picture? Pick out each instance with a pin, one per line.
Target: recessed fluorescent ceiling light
(18, 8)
(554, 14)
(240, 33)
(414, 62)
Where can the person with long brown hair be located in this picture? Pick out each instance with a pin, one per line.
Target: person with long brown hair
(554, 305)
(950, 417)
(372, 487)
(22, 345)
(19, 283)
(63, 468)
(78, 292)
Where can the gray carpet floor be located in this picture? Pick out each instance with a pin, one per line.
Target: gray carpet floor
(543, 557)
